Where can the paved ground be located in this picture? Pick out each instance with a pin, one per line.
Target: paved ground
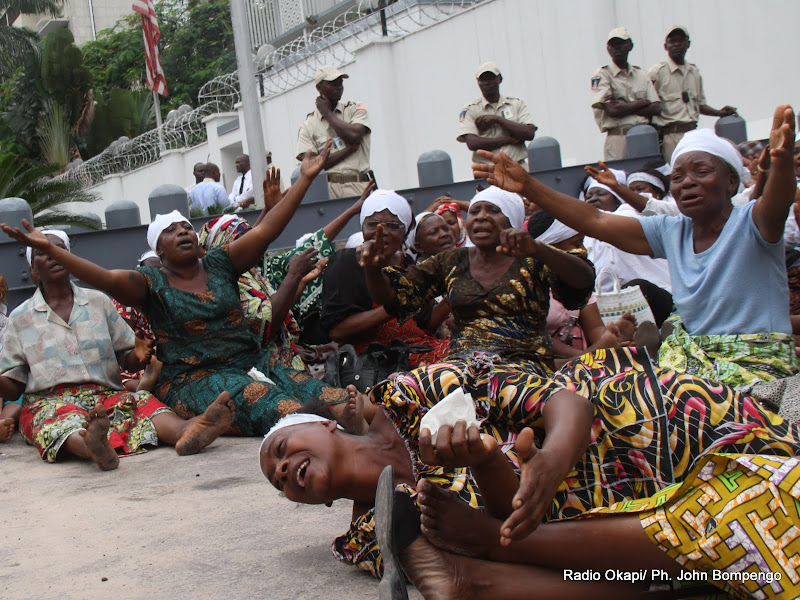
(163, 526)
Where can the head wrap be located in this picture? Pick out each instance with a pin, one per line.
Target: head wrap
(647, 178)
(557, 233)
(221, 231)
(618, 175)
(159, 224)
(387, 200)
(705, 140)
(412, 236)
(146, 255)
(302, 239)
(509, 204)
(56, 232)
(294, 419)
(456, 210)
(355, 240)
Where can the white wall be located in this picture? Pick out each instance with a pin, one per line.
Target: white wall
(414, 88)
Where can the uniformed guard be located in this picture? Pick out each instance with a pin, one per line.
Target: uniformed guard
(495, 122)
(680, 88)
(622, 95)
(347, 125)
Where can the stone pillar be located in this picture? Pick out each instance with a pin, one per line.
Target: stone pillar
(732, 127)
(434, 168)
(122, 213)
(642, 141)
(166, 198)
(13, 210)
(544, 154)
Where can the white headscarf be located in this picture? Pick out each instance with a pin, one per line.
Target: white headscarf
(294, 419)
(618, 175)
(705, 140)
(56, 232)
(355, 240)
(160, 223)
(387, 200)
(146, 255)
(509, 204)
(647, 178)
(412, 236)
(302, 239)
(556, 233)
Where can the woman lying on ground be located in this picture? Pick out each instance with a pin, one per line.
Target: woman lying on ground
(348, 310)
(64, 350)
(195, 311)
(613, 430)
(718, 254)
(499, 302)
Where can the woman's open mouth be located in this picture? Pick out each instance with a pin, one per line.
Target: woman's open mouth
(301, 473)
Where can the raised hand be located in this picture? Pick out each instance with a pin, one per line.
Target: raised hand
(323, 105)
(356, 208)
(272, 187)
(517, 242)
(315, 272)
(781, 137)
(456, 446)
(314, 163)
(30, 237)
(303, 262)
(503, 172)
(602, 175)
(538, 484)
(370, 253)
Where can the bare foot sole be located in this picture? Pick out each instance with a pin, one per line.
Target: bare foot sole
(6, 429)
(451, 524)
(204, 429)
(96, 438)
(437, 575)
(355, 410)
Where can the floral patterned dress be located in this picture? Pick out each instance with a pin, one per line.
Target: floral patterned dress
(207, 348)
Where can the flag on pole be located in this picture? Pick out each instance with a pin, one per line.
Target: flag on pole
(155, 74)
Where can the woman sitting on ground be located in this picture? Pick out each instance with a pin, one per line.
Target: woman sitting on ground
(348, 310)
(194, 308)
(499, 302)
(64, 350)
(613, 429)
(718, 254)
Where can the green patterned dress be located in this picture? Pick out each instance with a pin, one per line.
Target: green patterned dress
(207, 348)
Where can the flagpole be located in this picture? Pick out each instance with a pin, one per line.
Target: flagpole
(157, 108)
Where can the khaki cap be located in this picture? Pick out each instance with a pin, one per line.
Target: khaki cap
(619, 32)
(328, 73)
(678, 28)
(487, 67)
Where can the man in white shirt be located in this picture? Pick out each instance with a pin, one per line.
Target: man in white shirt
(241, 195)
(209, 193)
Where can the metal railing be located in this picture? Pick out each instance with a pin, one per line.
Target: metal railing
(291, 65)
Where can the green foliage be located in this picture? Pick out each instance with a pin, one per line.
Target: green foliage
(54, 138)
(116, 58)
(23, 99)
(63, 74)
(123, 112)
(30, 181)
(17, 43)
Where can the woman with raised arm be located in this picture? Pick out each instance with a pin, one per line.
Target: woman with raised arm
(195, 312)
(64, 350)
(726, 262)
(499, 298)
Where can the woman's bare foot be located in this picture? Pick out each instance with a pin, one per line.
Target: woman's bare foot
(355, 410)
(6, 429)
(452, 525)
(437, 575)
(150, 376)
(200, 431)
(95, 436)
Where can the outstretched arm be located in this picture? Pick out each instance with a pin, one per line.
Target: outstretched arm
(725, 111)
(246, 251)
(772, 208)
(126, 287)
(625, 233)
(334, 228)
(606, 177)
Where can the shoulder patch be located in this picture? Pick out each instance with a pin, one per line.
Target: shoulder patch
(359, 106)
(595, 82)
(462, 114)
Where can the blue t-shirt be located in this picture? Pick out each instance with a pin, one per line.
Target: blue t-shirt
(737, 286)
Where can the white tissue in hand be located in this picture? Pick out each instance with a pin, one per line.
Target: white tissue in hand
(259, 376)
(454, 407)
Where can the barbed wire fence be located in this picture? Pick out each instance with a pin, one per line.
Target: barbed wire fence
(277, 70)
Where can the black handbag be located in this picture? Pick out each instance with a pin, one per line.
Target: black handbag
(370, 366)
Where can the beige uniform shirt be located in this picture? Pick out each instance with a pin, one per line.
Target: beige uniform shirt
(670, 81)
(610, 82)
(315, 132)
(507, 107)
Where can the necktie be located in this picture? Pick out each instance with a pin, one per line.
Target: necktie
(241, 185)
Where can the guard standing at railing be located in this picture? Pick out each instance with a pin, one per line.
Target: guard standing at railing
(347, 125)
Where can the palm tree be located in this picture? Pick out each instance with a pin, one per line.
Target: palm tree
(17, 42)
(31, 182)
